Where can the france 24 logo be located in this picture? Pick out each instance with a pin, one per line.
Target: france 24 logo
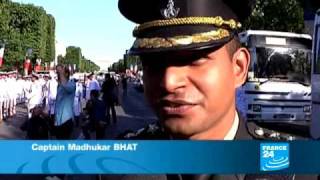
(274, 156)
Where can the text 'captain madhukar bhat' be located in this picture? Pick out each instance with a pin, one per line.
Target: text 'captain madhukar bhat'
(192, 63)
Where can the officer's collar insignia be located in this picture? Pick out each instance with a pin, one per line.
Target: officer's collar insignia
(170, 11)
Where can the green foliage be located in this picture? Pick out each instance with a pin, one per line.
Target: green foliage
(74, 56)
(50, 43)
(26, 26)
(88, 66)
(118, 66)
(132, 61)
(61, 60)
(277, 15)
(126, 63)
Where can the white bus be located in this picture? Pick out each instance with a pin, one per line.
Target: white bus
(315, 127)
(278, 89)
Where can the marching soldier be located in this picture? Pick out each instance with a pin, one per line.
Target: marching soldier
(77, 101)
(20, 84)
(34, 96)
(12, 93)
(45, 92)
(52, 94)
(26, 87)
(6, 98)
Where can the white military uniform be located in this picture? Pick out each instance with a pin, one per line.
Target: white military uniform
(77, 99)
(12, 95)
(87, 83)
(5, 98)
(52, 94)
(26, 89)
(34, 96)
(20, 90)
(45, 94)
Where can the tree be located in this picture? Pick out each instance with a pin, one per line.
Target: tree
(50, 42)
(277, 15)
(61, 59)
(23, 27)
(73, 55)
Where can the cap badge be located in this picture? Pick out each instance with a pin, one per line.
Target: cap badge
(170, 11)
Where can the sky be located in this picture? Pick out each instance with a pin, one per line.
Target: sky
(96, 26)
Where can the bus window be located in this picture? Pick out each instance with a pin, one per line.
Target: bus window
(317, 50)
(283, 63)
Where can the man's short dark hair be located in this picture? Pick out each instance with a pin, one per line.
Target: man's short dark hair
(233, 46)
(66, 70)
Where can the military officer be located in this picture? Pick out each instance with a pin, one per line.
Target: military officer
(5, 96)
(77, 109)
(45, 92)
(52, 94)
(34, 96)
(12, 93)
(193, 63)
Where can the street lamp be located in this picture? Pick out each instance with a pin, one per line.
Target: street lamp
(125, 59)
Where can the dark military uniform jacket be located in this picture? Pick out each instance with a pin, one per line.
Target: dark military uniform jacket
(154, 131)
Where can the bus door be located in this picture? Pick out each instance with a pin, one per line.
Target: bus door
(315, 79)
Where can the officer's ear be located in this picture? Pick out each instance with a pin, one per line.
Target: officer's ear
(240, 62)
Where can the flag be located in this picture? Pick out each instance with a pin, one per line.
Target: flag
(38, 62)
(27, 66)
(37, 67)
(1, 54)
(52, 65)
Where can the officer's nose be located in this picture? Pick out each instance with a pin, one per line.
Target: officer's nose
(173, 78)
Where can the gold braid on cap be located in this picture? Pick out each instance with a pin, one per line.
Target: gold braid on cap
(217, 21)
(158, 42)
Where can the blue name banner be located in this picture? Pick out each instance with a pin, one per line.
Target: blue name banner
(158, 157)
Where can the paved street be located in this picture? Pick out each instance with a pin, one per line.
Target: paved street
(10, 128)
(133, 113)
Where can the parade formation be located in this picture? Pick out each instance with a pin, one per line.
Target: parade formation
(37, 93)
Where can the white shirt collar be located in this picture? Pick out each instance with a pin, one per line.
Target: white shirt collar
(233, 131)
